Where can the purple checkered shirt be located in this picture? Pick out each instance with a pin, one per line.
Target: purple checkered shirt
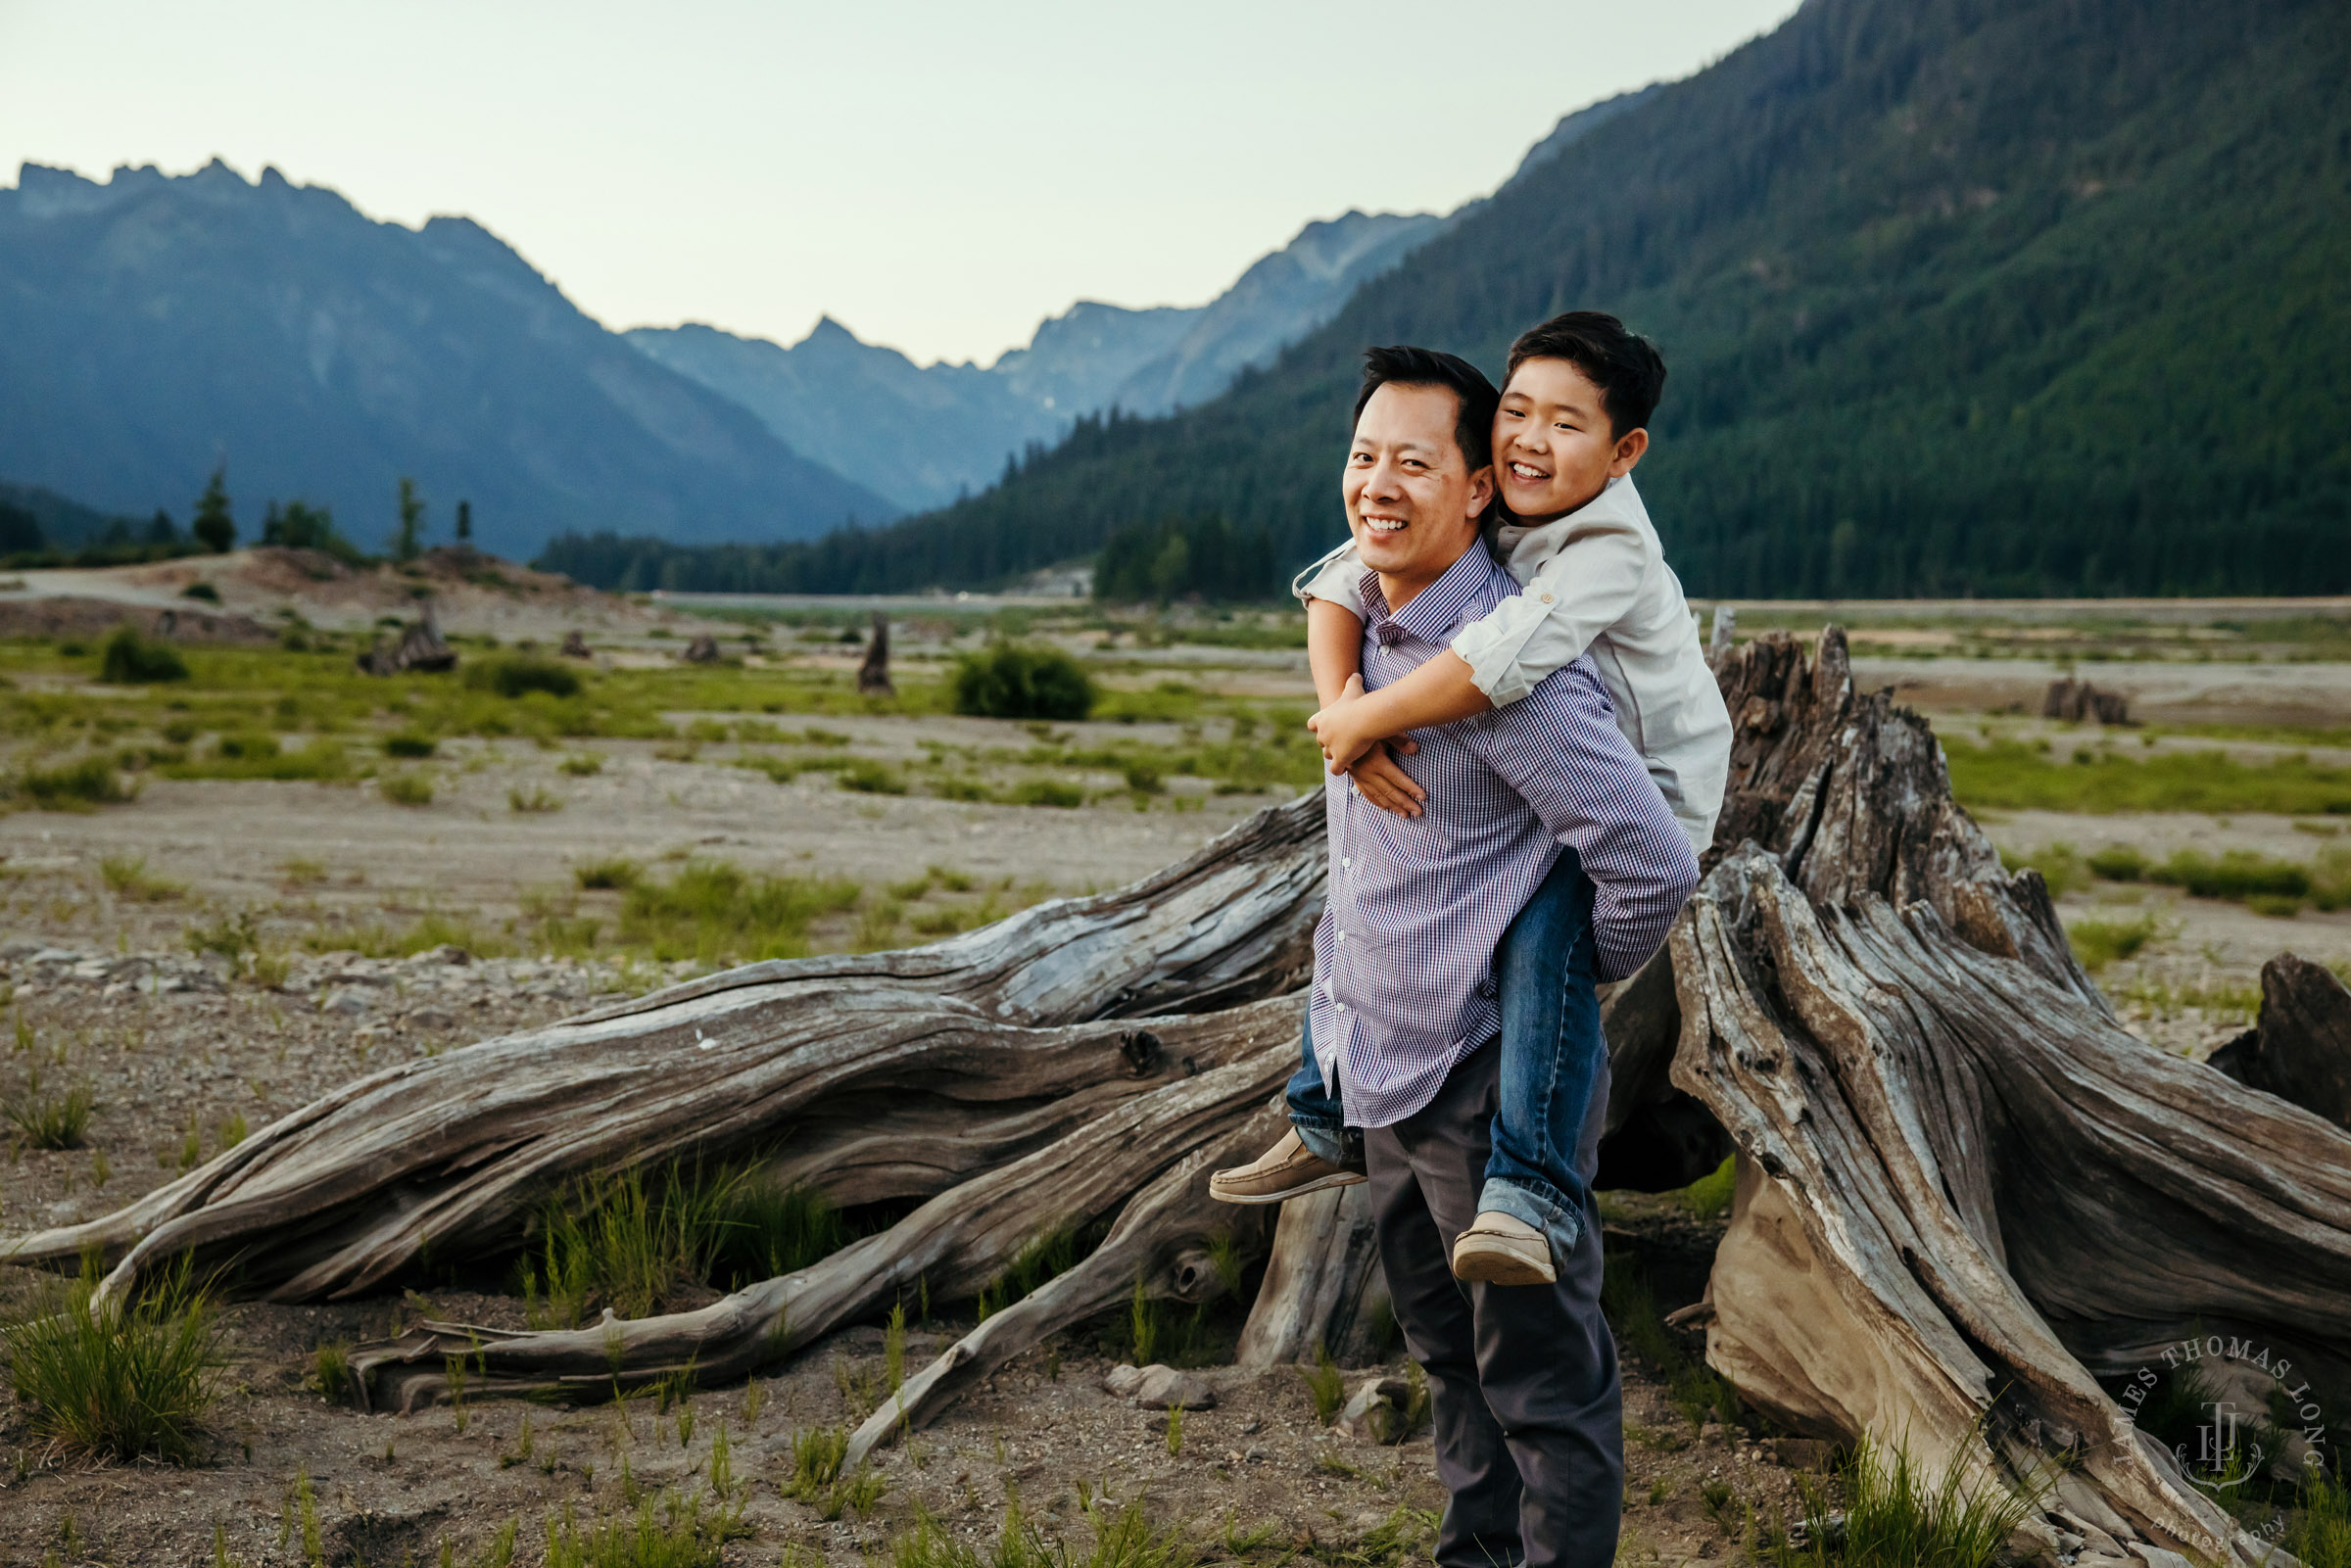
(1403, 954)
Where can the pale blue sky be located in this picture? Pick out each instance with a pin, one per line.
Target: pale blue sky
(938, 176)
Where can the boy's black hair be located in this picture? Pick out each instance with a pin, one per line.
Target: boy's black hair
(1625, 365)
(1407, 367)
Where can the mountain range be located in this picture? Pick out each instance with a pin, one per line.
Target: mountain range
(850, 405)
(1957, 296)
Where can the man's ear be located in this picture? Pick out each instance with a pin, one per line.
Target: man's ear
(1627, 455)
(1481, 491)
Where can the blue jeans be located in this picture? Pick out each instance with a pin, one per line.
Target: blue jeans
(1551, 1055)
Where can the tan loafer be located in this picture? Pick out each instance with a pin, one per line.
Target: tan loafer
(1288, 1169)
(1501, 1248)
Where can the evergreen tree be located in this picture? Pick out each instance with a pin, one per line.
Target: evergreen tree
(408, 542)
(161, 530)
(464, 522)
(214, 529)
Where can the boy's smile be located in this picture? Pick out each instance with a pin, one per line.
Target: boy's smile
(1555, 447)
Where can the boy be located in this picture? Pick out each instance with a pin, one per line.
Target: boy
(1569, 429)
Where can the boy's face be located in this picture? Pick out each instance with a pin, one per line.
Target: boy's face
(1413, 500)
(1553, 448)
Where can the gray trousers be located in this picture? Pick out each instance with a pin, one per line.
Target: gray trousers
(1528, 1411)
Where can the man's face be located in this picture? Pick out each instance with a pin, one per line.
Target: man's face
(1413, 501)
(1553, 448)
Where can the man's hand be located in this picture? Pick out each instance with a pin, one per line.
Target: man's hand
(1379, 781)
(1367, 758)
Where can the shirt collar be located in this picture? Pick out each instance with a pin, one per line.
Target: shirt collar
(1434, 612)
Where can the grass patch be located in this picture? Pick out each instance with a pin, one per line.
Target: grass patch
(1045, 792)
(127, 878)
(582, 766)
(871, 778)
(613, 872)
(49, 1121)
(407, 788)
(257, 755)
(75, 785)
(408, 744)
(1897, 1517)
(2060, 864)
(131, 659)
(1709, 1196)
(128, 1385)
(633, 1239)
(2014, 775)
(672, 1531)
(1325, 1385)
(533, 801)
(2097, 943)
(710, 911)
(521, 676)
(1697, 1390)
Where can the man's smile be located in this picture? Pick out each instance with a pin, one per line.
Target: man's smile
(1383, 523)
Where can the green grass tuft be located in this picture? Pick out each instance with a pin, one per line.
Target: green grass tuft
(127, 878)
(1325, 1385)
(710, 911)
(127, 1384)
(1897, 1517)
(407, 788)
(2097, 943)
(1014, 681)
(612, 872)
(1709, 1196)
(410, 744)
(49, 1121)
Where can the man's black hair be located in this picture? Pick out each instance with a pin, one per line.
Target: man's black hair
(1625, 365)
(1473, 426)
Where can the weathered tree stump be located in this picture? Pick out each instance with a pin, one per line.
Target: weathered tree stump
(2300, 1047)
(419, 649)
(872, 676)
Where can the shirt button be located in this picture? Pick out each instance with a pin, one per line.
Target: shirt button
(1340, 1006)
(1546, 599)
(1346, 862)
(1342, 936)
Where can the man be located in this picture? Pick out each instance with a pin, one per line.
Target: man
(1402, 1015)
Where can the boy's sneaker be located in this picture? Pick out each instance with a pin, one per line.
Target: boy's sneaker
(1501, 1248)
(1288, 1169)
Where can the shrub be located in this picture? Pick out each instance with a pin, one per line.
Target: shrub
(408, 743)
(533, 799)
(132, 660)
(520, 676)
(407, 788)
(203, 590)
(75, 785)
(583, 767)
(1011, 680)
(2100, 942)
(127, 1385)
(249, 748)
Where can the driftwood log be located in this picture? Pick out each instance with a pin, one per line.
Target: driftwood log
(419, 649)
(1964, 1192)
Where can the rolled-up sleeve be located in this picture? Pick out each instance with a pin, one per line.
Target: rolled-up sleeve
(1587, 586)
(1337, 576)
(1559, 748)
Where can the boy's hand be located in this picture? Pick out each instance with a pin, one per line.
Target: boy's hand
(1365, 757)
(1379, 781)
(1340, 728)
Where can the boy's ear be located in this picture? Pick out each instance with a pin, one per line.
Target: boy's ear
(1627, 455)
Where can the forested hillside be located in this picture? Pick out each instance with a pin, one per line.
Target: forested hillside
(2042, 295)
